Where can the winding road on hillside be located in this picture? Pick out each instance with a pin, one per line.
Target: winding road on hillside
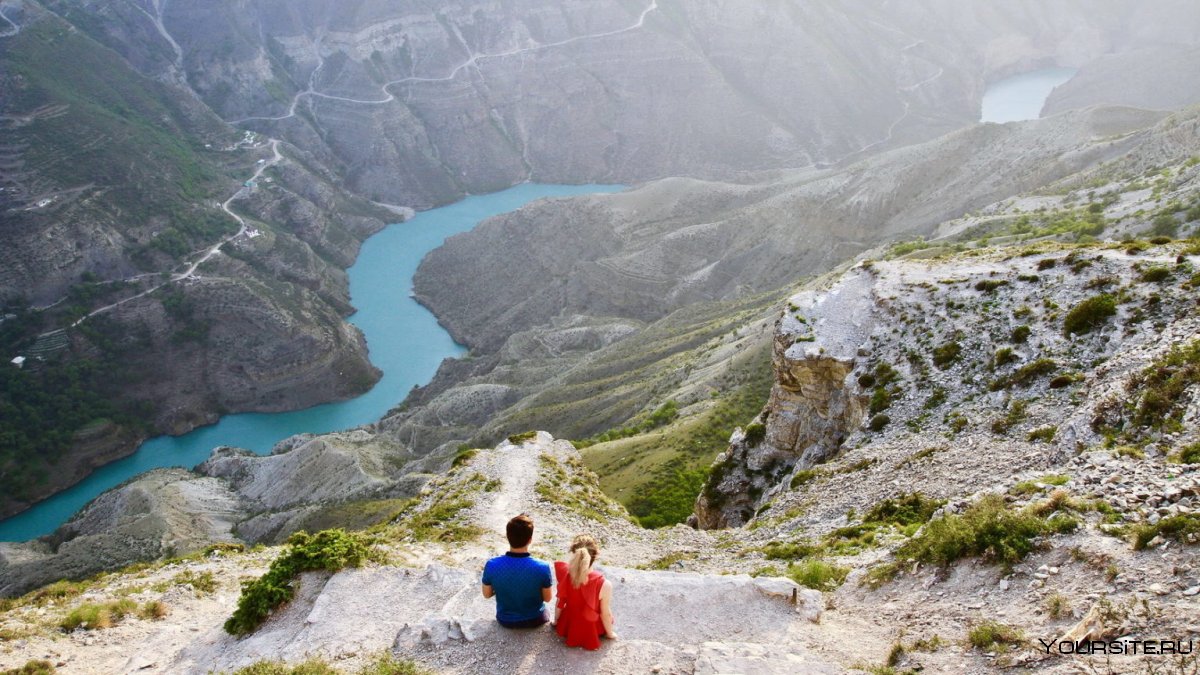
(190, 271)
(13, 26)
(473, 60)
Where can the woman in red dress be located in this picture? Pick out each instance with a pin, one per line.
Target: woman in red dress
(583, 612)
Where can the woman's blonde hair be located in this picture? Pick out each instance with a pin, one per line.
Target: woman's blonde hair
(584, 551)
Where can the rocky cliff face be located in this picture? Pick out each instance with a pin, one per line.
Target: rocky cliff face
(834, 388)
(814, 404)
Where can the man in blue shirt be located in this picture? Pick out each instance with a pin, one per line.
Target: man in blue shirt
(519, 582)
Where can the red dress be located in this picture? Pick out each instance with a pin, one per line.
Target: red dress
(579, 620)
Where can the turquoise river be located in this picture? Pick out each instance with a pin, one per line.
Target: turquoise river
(405, 340)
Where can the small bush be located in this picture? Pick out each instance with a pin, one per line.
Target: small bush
(462, 456)
(818, 574)
(1044, 435)
(1156, 274)
(1003, 357)
(32, 668)
(203, 583)
(1189, 454)
(518, 439)
(1057, 605)
(989, 285)
(789, 550)
(908, 509)
(755, 433)
(1184, 528)
(309, 667)
(946, 354)
(878, 422)
(992, 636)
(1161, 389)
(91, 616)
(1065, 380)
(1090, 314)
(330, 550)
(1046, 264)
(987, 528)
(881, 399)
(803, 476)
(1026, 374)
(1020, 335)
(153, 610)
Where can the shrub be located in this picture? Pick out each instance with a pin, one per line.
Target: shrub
(992, 636)
(881, 399)
(32, 668)
(203, 583)
(1044, 434)
(1003, 357)
(818, 574)
(789, 550)
(755, 433)
(1184, 528)
(1065, 380)
(91, 616)
(803, 476)
(1090, 314)
(1156, 274)
(989, 285)
(330, 550)
(518, 439)
(1162, 387)
(946, 354)
(463, 455)
(1020, 335)
(987, 528)
(309, 667)
(1189, 454)
(1025, 375)
(1046, 264)
(908, 509)
(155, 609)
(878, 422)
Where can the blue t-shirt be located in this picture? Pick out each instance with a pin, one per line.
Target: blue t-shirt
(518, 580)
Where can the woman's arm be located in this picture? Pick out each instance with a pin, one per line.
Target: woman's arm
(606, 616)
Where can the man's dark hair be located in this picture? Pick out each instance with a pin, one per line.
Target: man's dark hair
(519, 531)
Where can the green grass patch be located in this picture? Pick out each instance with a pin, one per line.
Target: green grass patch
(991, 636)
(817, 574)
(98, 616)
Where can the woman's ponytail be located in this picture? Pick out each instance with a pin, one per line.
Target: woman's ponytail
(583, 553)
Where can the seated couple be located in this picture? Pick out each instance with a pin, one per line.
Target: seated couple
(521, 585)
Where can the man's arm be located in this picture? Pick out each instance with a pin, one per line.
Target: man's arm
(487, 583)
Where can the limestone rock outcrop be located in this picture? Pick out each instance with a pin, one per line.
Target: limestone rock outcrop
(814, 403)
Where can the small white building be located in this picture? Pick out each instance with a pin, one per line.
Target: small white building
(19, 361)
